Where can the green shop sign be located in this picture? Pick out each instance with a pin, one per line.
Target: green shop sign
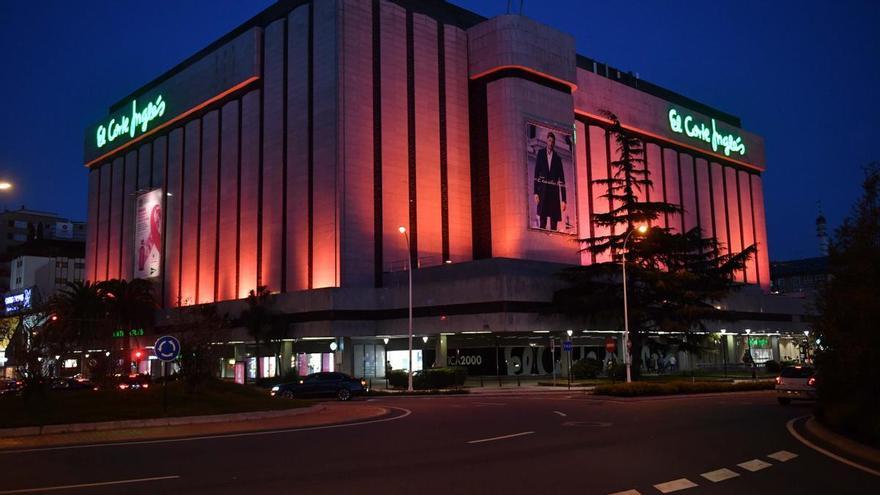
(759, 341)
(134, 332)
(693, 127)
(131, 123)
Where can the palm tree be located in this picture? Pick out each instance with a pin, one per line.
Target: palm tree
(79, 314)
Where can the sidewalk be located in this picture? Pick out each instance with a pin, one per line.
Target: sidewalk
(319, 415)
(508, 385)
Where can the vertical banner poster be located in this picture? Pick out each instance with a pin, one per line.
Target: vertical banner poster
(550, 164)
(148, 235)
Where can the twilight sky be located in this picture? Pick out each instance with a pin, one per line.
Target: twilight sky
(803, 74)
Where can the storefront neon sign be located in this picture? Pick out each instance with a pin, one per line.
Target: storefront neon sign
(688, 125)
(139, 121)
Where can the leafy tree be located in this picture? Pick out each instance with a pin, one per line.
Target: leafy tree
(849, 350)
(197, 328)
(260, 320)
(674, 278)
(129, 304)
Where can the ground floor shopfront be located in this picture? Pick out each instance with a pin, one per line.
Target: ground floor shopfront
(493, 317)
(491, 354)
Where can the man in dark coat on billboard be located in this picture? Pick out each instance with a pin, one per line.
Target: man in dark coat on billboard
(549, 185)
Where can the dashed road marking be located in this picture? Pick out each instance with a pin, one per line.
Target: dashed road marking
(782, 456)
(754, 465)
(483, 440)
(628, 492)
(561, 413)
(675, 485)
(720, 475)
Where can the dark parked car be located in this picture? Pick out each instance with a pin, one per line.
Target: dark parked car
(327, 384)
(10, 387)
(72, 384)
(134, 382)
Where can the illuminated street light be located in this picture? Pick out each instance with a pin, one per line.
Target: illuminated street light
(641, 229)
(409, 382)
(5, 186)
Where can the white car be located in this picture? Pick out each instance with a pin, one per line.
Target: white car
(796, 383)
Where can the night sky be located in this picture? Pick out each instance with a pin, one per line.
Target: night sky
(804, 75)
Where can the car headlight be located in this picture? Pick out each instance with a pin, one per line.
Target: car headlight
(275, 388)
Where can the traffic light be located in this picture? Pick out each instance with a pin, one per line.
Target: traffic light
(138, 355)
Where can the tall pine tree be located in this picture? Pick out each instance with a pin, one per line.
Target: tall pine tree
(674, 279)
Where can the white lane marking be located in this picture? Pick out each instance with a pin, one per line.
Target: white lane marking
(561, 413)
(754, 465)
(88, 485)
(720, 475)
(482, 440)
(675, 485)
(628, 492)
(782, 455)
(790, 427)
(406, 413)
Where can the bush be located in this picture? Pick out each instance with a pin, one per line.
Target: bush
(431, 378)
(440, 378)
(586, 368)
(397, 378)
(772, 366)
(641, 389)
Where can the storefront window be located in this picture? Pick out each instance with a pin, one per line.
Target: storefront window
(400, 359)
(315, 362)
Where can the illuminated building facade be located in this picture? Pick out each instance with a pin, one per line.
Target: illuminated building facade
(287, 154)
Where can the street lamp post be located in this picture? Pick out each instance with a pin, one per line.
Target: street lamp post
(569, 332)
(724, 350)
(806, 346)
(751, 357)
(409, 381)
(626, 354)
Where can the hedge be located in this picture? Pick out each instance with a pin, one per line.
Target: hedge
(641, 389)
(431, 378)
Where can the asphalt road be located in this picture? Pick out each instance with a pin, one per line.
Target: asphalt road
(473, 444)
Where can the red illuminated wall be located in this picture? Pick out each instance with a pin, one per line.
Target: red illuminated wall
(300, 178)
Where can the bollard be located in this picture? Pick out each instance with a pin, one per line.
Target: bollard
(518, 384)
(481, 381)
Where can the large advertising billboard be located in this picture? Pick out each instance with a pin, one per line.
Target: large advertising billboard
(148, 235)
(551, 189)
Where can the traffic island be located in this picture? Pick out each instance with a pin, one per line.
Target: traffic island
(323, 414)
(54, 407)
(851, 449)
(649, 389)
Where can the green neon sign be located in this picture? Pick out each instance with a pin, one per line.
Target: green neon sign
(129, 125)
(759, 341)
(134, 332)
(688, 125)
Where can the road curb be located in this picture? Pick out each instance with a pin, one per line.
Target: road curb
(649, 398)
(844, 444)
(149, 423)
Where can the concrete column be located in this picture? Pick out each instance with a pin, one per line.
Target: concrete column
(440, 347)
(774, 347)
(344, 355)
(286, 353)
